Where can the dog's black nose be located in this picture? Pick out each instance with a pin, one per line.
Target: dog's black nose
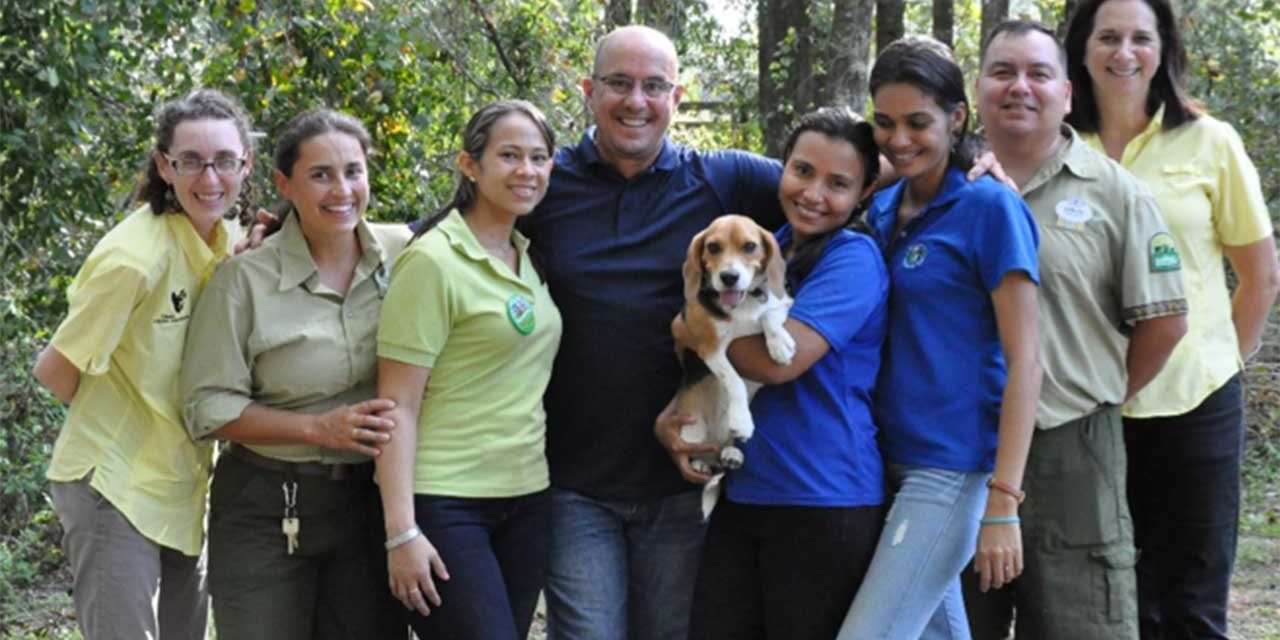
(729, 278)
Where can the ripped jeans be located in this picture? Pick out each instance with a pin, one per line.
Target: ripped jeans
(912, 589)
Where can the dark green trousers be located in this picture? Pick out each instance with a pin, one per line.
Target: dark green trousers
(333, 586)
(1077, 538)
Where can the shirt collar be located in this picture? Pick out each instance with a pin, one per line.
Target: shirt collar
(1074, 156)
(667, 159)
(464, 241)
(1154, 127)
(296, 264)
(884, 213)
(201, 257)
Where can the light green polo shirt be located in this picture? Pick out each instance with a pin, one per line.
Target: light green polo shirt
(454, 309)
(128, 311)
(1104, 265)
(268, 331)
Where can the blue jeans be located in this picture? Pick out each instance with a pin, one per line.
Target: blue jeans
(913, 587)
(622, 569)
(496, 552)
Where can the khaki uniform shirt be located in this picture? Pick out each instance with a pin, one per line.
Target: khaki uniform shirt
(268, 331)
(1106, 262)
(1210, 195)
(127, 317)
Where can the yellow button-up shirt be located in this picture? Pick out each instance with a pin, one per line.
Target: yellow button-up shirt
(268, 331)
(1210, 196)
(129, 308)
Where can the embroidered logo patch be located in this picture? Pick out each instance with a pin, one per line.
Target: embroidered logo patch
(1163, 253)
(520, 313)
(178, 299)
(915, 256)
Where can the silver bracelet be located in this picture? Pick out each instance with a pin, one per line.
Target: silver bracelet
(403, 537)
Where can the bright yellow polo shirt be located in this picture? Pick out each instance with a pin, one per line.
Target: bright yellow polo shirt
(466, 316)
(1209, 193)
(127, 320)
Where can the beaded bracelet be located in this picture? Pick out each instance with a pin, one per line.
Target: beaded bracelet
(1005, 487)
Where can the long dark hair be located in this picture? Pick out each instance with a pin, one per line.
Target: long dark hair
(837, 123)
(1168, 86)
(928, 65)
(475, 137)
(201, 104)
(307, 125)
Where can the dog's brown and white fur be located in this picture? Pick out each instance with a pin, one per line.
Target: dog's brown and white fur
(734, 285)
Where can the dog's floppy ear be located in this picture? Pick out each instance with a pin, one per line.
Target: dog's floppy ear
(775, 266)
(693, 266)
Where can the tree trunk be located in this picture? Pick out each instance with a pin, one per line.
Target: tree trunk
(787, 86)
(944, 21)
(666, 16)
(993, 13)
(889, 27)
(1068, 10)
(850, 47)
(617, 14)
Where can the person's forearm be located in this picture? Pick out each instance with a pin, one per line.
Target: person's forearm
(1150, 345)
(1249, 308)
(395, 472)
(260, 424)
(1017, 424)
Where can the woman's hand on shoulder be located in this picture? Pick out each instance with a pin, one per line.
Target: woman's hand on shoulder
(355, 427)
(986, 163)
(410, 567)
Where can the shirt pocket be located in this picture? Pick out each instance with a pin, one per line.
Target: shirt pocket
(294, 363)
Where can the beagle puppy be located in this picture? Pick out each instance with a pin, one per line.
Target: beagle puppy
(733, 286)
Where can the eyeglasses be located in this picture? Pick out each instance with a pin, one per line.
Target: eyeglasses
(194, 166)
(622, 85)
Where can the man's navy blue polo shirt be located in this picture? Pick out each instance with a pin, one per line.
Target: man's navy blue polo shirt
(943, 370)
(612, 250)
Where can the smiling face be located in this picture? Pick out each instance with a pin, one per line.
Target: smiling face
(1023, 88)
(205, 196)
(1122, 53)
(511, 174)
(913, 131)
(821, 184)
(630, 126)
(329, 184)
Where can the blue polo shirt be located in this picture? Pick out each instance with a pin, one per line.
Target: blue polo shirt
(815, 439)
(943, 374)
(612, 250)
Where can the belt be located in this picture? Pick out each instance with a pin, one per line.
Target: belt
(336, 471)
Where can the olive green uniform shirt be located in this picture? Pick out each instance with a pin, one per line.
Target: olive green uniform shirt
(268, 331)
(1106, 262)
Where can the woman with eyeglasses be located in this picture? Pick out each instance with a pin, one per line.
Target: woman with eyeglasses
(280, 363)
(128, 485)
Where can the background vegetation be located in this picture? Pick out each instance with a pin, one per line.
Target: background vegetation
(79, 79)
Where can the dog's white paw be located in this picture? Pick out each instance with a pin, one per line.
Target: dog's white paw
(701, 466)
(741, 425)
(731, 458)
(782, 347)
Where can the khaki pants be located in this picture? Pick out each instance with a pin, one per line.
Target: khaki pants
(126, 586)
(1077, 539)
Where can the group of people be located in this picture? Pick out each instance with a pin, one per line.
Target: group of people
(428, 426)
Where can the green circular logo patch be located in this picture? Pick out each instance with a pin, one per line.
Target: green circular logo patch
(520, 313)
